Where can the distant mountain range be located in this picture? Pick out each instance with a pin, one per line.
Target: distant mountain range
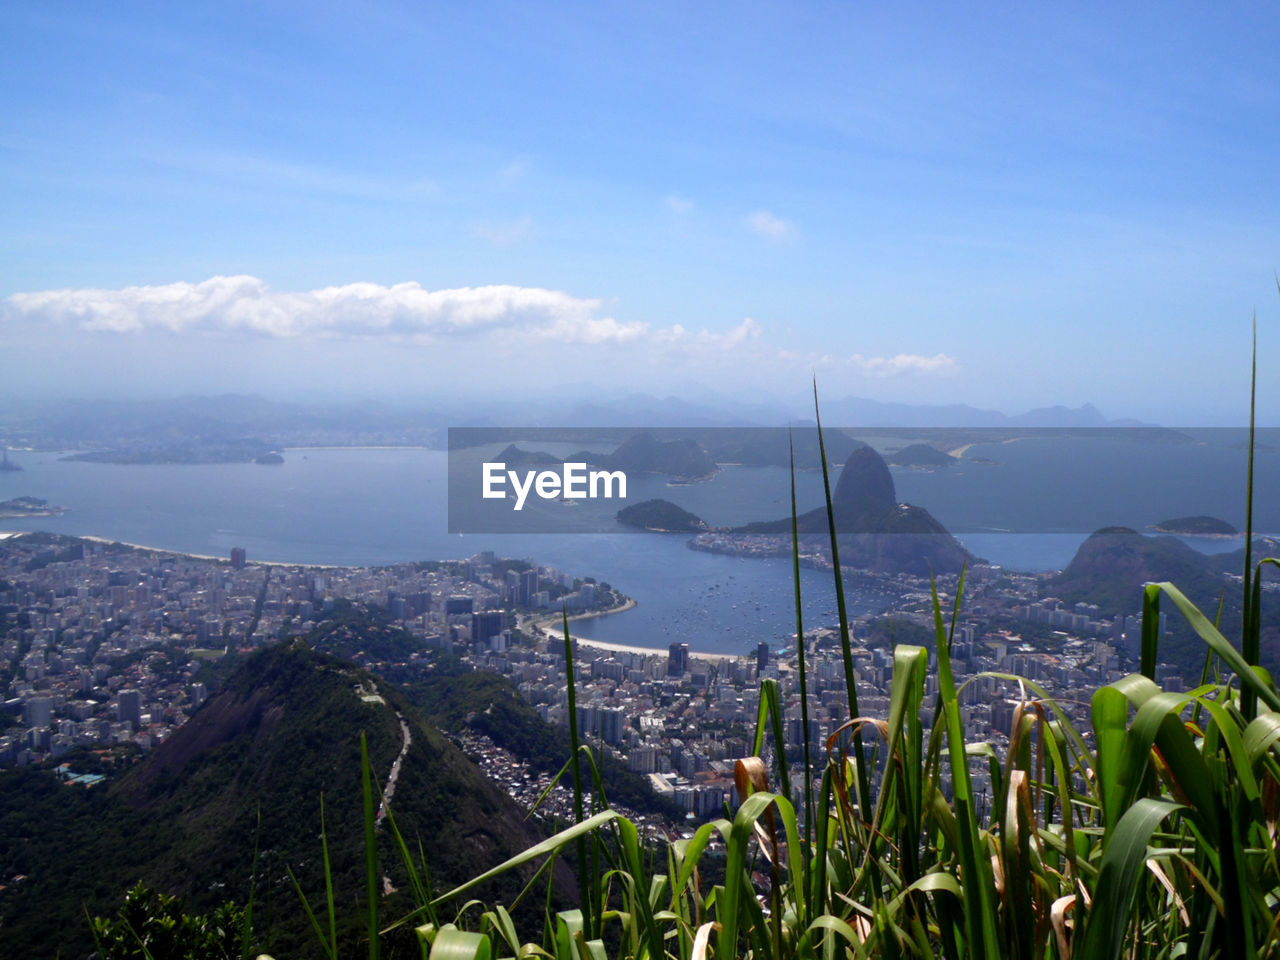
(128, 429)
(859, 412)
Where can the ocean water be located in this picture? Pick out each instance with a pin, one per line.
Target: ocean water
(1028, 510)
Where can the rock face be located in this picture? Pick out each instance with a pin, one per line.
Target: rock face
(875, 531)
(865, 486)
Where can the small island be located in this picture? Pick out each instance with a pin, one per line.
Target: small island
(1200, 526)
(661, 516)
(28, 507)
(920, 456)
(269, 459)
(514, 456)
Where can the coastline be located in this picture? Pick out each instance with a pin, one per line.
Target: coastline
(1170, 531)
(547, 627)
(551, 629)
(200, 556)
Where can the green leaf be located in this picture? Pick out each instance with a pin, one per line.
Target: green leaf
(1123, 865)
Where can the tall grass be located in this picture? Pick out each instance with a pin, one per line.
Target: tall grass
(1149, 833)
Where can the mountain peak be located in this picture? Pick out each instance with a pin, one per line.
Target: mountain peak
(865, 482)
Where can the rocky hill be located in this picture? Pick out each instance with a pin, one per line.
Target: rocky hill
(1112, 565)
(661, 516)
(247, 773)
(876, 531)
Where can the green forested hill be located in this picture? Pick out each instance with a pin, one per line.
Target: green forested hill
(1112, 565)
(247, 771)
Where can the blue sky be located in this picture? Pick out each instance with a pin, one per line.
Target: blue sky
(1004, 205)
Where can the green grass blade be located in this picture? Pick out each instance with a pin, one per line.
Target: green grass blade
(846, 648)
(454, 944)
(1110, 710)
(1250, 637)
(550, 845)
(979, 906)
(1249, 677)
(327, 944)
(328, 882)
(630, 843)
(1150, 629)
(1123, 864)
(738, 895)
(804, 690)
(584, 889)
(370, 849)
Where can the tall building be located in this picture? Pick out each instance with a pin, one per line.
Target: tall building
(521, 586)
(237, 558)
(131, 706)
(453, 606)
(37, 711)
(762, 656)
(677, 659)
(485, 626)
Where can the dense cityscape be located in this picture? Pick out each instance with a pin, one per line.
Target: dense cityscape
(106, 647)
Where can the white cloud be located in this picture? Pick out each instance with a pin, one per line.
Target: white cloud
(246, 304)
(736, 336)
(902, 363)
(516, 320)
(771, 227)
(679, 204)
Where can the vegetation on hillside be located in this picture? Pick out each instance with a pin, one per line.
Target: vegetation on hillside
(489, 704)
(229, 809)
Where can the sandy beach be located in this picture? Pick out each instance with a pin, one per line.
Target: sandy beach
(552, 628)
(203, 556)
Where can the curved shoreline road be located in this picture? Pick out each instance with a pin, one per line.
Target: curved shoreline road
(552, 628)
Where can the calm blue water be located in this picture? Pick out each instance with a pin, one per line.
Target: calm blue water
(378, 506)
(366, 506)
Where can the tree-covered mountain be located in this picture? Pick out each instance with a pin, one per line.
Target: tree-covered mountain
(1112, 565)
(246, 773)
(1198, 526)
(661, 516)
